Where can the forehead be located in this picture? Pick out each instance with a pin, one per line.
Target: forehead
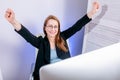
(52, 22)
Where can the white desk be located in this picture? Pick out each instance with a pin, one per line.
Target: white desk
(102, 64)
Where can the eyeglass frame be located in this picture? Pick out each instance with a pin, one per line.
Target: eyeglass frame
(51, 27)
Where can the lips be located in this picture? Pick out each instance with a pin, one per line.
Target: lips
(52, 33)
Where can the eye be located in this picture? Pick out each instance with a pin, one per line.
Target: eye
(50, 26)
(55, 26)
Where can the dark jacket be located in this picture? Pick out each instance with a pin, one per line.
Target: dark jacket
(43, 44)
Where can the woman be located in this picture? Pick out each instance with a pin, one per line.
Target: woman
(53, 46)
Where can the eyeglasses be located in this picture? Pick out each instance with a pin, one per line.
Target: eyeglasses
(51, 27)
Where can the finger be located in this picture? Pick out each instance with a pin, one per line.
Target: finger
(8, 14)
(96, 4)
(10, 11)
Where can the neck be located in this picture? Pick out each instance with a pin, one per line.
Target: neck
(52, 42)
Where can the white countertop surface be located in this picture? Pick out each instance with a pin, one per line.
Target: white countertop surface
(101, 64)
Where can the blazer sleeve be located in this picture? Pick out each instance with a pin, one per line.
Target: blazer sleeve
(76, 27)
(29, 37)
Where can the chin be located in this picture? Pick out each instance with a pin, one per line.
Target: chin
(52, 36)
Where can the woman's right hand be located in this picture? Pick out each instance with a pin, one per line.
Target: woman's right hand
(10, 16)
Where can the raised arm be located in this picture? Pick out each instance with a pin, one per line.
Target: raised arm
(10, 16)
(19, 28)
(81, 22)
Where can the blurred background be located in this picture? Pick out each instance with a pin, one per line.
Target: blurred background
(16, 55)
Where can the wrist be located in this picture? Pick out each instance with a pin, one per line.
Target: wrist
(14, 22)
(16, 25)
(90, 14)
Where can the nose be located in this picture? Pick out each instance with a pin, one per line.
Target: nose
(53, 28)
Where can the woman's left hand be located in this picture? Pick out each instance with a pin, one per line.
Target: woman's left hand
(95, 8)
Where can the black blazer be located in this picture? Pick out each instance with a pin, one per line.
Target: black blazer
(43, 44)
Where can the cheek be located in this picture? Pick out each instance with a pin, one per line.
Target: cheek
(46, 30)
(57, 31)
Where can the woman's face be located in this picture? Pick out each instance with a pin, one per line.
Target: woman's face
(51, 28)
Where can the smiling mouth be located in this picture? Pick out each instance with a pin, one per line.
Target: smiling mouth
(52, 32)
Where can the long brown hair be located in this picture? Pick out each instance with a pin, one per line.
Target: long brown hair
(58, 39)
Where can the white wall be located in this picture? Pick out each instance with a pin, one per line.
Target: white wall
(16, 55)
(104, 30)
